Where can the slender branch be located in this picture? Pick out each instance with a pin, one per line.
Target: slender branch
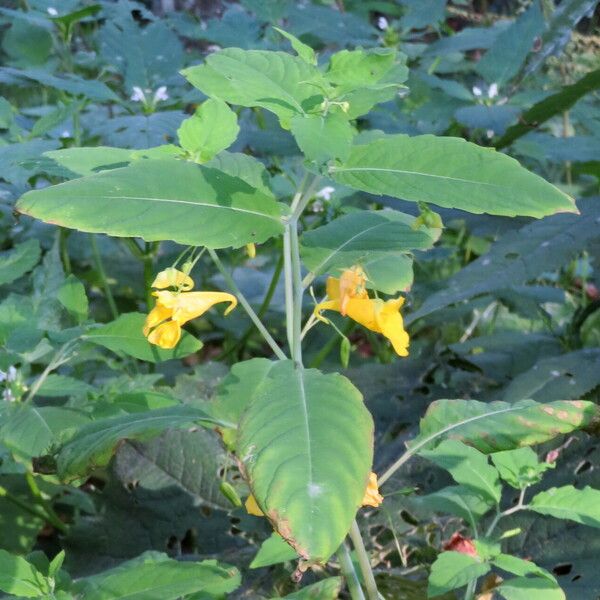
(347, 568)
(520, 505)
(249, 310)
(298, 293)
(60, 358)
(289, 287)
(363, 561)
(100, 267)
(51, 516)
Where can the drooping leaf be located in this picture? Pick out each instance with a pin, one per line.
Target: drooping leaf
(453, 570)
(154, 576)
(20, 578)
(468, 467)
(458, 500)
(93, 444)
(450, 172)
(371, 239)
(158, 200)
(16, 262)
(567, 502)
(212, 128)
(290, 438)
(125, 336)
(520, 467)
(273, 550)
(495, 426)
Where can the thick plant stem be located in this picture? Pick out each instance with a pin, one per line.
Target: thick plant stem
(100, 267)
(470, 591)
(347, 568)
(363, 561)
(249, 310)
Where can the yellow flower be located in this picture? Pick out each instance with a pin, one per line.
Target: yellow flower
(252, 507)
(251, 250)
(377, 315)
(174, 309)
(372, 495)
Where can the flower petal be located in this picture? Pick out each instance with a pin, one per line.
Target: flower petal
(252, 507)
(372, 495)
(391, 325)
(166, 335)
(190, 305)
(172, 277)
(157, 315)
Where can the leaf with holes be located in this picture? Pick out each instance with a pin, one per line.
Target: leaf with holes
(452, 173)
(305, 445)
(161, 200)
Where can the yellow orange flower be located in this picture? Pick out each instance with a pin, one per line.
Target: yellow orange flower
(372, 495)
(351, 285)
(174, 309)
(252, 507)
(377, 315)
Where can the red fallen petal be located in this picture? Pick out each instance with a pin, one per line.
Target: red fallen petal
(459, 543)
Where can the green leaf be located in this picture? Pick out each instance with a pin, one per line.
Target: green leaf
(284, 84)
(94, 444)
(494, 426)
(452, 173)
(326, 589)
(58, 386)
(18, 261)
(89, 161)
(550, 106)
(530, 588)
(306, 447)
(71, 295)
(351, 69)
(468, 467)
(20, 578)
(54, 118)
(245, 167)
(212, 128)
(457, 500)
(273, 550)
(153, 576)
(453, 570)
(375, 240)
(323, 137)
(520, 468)
(567, 502)
(518, 566)
(125, 336)
(306, 53)
(510, 49)
(159, 200)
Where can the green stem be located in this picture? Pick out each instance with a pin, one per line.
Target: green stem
(64, 251)
(4, 493)
(289, 288)
(148, 279)
(249, 310)
(298, 293)
(470, 591)
(60, 358)
(37, 494)
(363, 561)
(100, 267)
(347, 568)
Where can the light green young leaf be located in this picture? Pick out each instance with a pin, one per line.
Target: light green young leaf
(306, 53)
(453, 570)
(125, 336)
(153, 576)
(94, 444)
(567, 502)
(468, 467)
(323, 137)
(212, 128)
(71, 295)
(20, 578)
(450, 172)
(520, 468)
(530, 588)
(289, 439)
(495, 426)
(273, 550)
(351, 69)
(16, 262)
(158, 200)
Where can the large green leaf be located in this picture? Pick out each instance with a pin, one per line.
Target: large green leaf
(89, 161)
(495, 426)
(450, 172)
(19, 260)
(20, 578)
(156, 577)
(160, 200)
(305, 444)
(567, 502)
(453, 570)
(94, 444)
(125, 336)
(371, 239)
(530, 588)
(276, 81)
(323, 137)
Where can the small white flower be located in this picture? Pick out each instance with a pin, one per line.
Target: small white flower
(325, 193)
(2, 376)
(52, 11)
(8, 396)
(490, 133)
(477, 91)
(161, 94)
(138, 94)
(11, 374)
(213, 48)
(382, 23)
(555, 373)
(493, 91)
(65, 134)
(317, 206)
